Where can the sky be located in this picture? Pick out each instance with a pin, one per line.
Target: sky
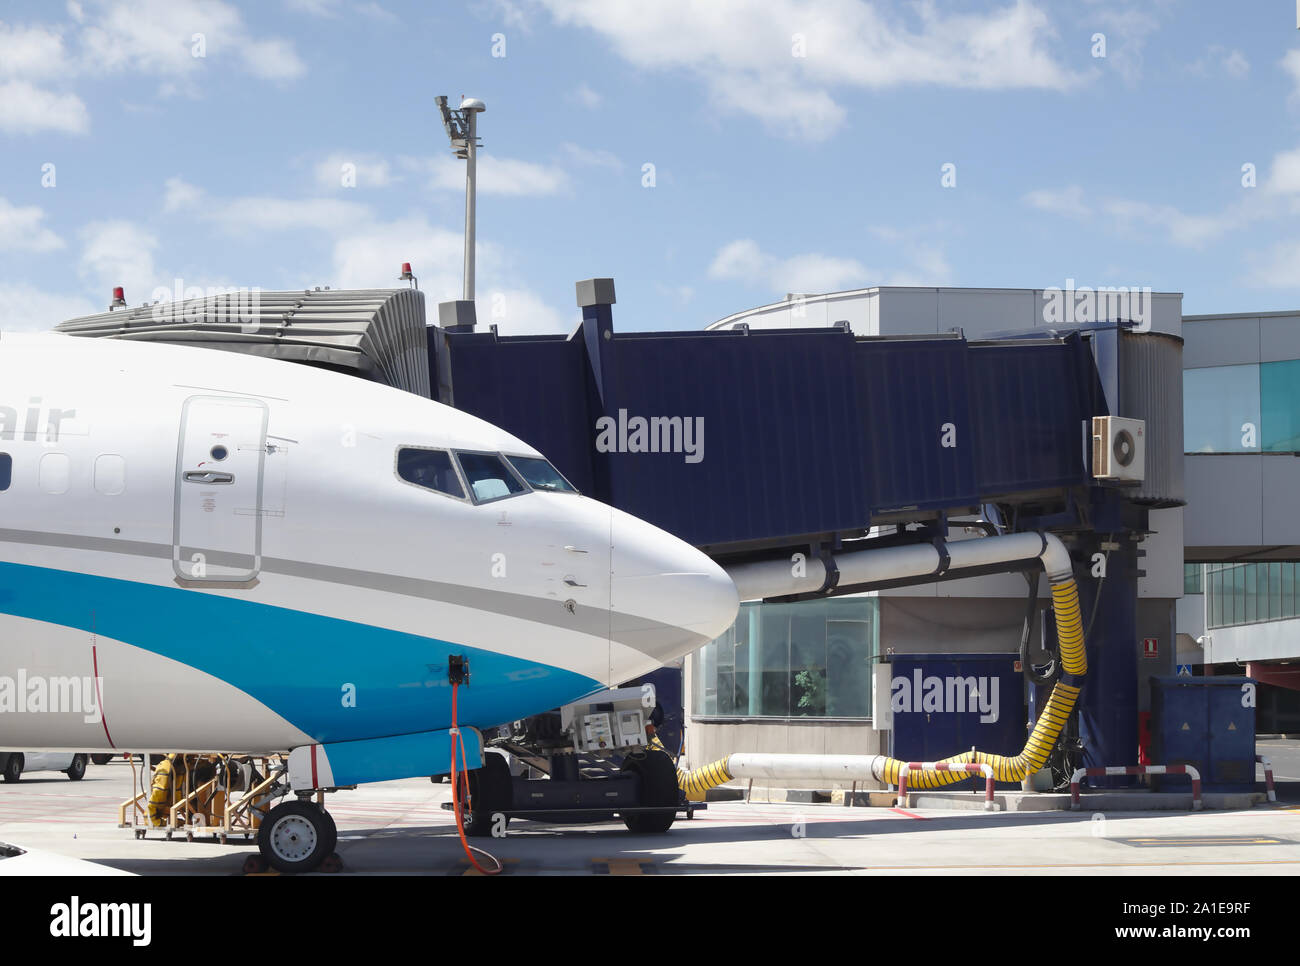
(710, 156)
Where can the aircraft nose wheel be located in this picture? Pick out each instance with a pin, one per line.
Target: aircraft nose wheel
(297, 837)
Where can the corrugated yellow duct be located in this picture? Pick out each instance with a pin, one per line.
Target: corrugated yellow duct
(1047, 729)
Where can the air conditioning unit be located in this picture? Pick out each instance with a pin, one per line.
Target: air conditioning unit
(1118, 448)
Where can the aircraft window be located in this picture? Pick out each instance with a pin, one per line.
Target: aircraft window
(429, 468)
(110, 474)
(540, 475)
(54, 473)
(6, 470)
(488, 476)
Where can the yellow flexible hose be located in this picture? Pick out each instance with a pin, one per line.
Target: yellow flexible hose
(1047, 729)
(160, 793)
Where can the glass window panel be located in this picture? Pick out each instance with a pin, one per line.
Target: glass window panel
(848, 668)
(1252, 593)
(1238, 594)
(1274, 591)
(488, 477)
(1192, 580)
(1279, 403)
(1288, 590)
(725, 699)
(540, 474)
(740, 689)
(808, 660)
(773, 652)
(805, 659)
(1221, 410)
(429, 468)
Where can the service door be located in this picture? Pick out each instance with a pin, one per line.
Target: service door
(217, 534)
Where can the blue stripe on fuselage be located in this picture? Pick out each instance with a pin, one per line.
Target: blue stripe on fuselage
(295, 663)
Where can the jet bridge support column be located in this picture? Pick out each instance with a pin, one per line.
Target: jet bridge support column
(1108, 708)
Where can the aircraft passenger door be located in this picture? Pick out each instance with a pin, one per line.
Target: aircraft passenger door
(217, 532)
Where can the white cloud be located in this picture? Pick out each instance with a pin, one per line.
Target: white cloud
(1291, 64)
(1063, 201)
(24, 308)
(180, 194)
(367, 171)
(316, 8)
(39, 64)
(26, 109)
(337, 9)
(815, 273)
(521, 312)
(31, 52)
(498, 176)
(158, 37)
(1277, 195)
(743, 260)
(367, 252)
(21, 230)
(585, 96)
(1126, 32)
(120, 252)
(371, 258)
(248, 216)
(592, 157)
(1279, 267)
(744, 51)
(1219, 58)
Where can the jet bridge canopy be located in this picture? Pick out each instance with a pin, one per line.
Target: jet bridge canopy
(378, 334)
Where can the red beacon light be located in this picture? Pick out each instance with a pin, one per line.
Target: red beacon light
(407, 275)
(119, 299)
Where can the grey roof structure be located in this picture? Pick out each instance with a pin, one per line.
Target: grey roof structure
(378, 334)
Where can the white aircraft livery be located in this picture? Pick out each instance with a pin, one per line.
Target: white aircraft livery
(229, 553)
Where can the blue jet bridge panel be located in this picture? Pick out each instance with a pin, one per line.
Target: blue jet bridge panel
(735, 440)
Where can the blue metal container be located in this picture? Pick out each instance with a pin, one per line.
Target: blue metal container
(1208, 723)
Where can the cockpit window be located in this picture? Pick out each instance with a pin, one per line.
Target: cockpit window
(540, 474)
(488, 477)
(431, 469)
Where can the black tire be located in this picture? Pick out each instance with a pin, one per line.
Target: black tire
(331, 834)
(658, 787)
(14, 767)
(296, 836)
(77, 770)
(101, 759)
(490, 791)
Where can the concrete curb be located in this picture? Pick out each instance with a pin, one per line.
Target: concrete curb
(1096, 801)
(1117, 800)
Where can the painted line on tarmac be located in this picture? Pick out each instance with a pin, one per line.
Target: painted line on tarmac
(902, 811)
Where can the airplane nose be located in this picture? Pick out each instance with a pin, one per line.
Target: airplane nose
(666, 598)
